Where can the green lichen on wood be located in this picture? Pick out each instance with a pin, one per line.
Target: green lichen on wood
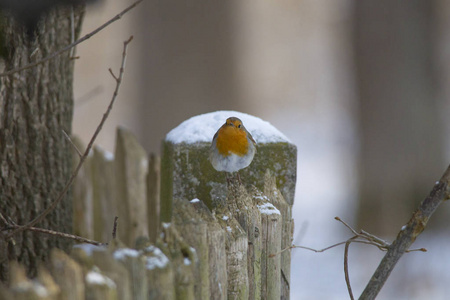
(167, 163)
(187, 173)
(194, 231)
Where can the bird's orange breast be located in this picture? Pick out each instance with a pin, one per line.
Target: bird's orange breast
(231, 140)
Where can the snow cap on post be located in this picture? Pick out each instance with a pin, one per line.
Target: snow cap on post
(187, 173)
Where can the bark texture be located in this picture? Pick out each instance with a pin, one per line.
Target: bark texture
(35, 106)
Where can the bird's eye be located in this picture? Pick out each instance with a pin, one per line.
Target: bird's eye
(239, 126)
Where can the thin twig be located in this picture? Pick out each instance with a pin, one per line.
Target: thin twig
(59, 234)
(61, 195)
(115, 227)
(68, 47)
(2, 218)
(72, 143)
(72, 31)
(346, 225)
(34, 52)
(112, 74)
(346, 274)
(407, 235)
(361, 237)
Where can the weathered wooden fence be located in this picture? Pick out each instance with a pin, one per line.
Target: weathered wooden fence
(229, 248)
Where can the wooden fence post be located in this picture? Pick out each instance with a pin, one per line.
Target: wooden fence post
(68, 275)
(114, 270)
(236, 244)
(104, 189)
(99, 286)
(193, 228)
(153, 197)
(271, 244)
(184, 259)
(135, 263)
(187, 174)
(277, 199)
(82, 194)
(160, 274)
(217, 258)
(131, 165)
(249, 217)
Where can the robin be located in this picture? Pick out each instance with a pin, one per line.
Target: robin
(232, 147)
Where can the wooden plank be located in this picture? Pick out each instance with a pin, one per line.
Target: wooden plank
(236, 245)
(217, 257)
(52, 289)
(99, 286)
(99, 283)
(249, 217)
(183, 258)
(153, 196)
(82, 194)
(271, 244)
(160, 274)
(194, 231)
(116, 271)
(67, 274)
(22, 288)
(134, 262)
(277, 199)
(131, 165)
(104, 205)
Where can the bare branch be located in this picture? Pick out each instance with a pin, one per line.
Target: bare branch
(115, 228)
(36, 50)
(112, 74)
(346, 225)
(72, 31)
(407, 235)
(347, 276)
(86, 152)
(361, 237)
(59, 234)
(3, 219)
(68, 47)
(73, 145)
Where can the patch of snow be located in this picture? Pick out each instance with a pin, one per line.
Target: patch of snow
(187, 261)
(195, 200)
(40, 290)
(121, 254)
(159, 260)
(202, 128)
(109, 156)
(89, 248)
(268, 209)
(97, 278)
(225, 218)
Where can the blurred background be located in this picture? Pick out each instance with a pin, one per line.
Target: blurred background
(361, 87)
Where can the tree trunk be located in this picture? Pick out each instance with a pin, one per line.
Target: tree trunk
(36, 105)
(401, 133)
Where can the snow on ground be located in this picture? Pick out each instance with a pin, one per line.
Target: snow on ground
(203, 127)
